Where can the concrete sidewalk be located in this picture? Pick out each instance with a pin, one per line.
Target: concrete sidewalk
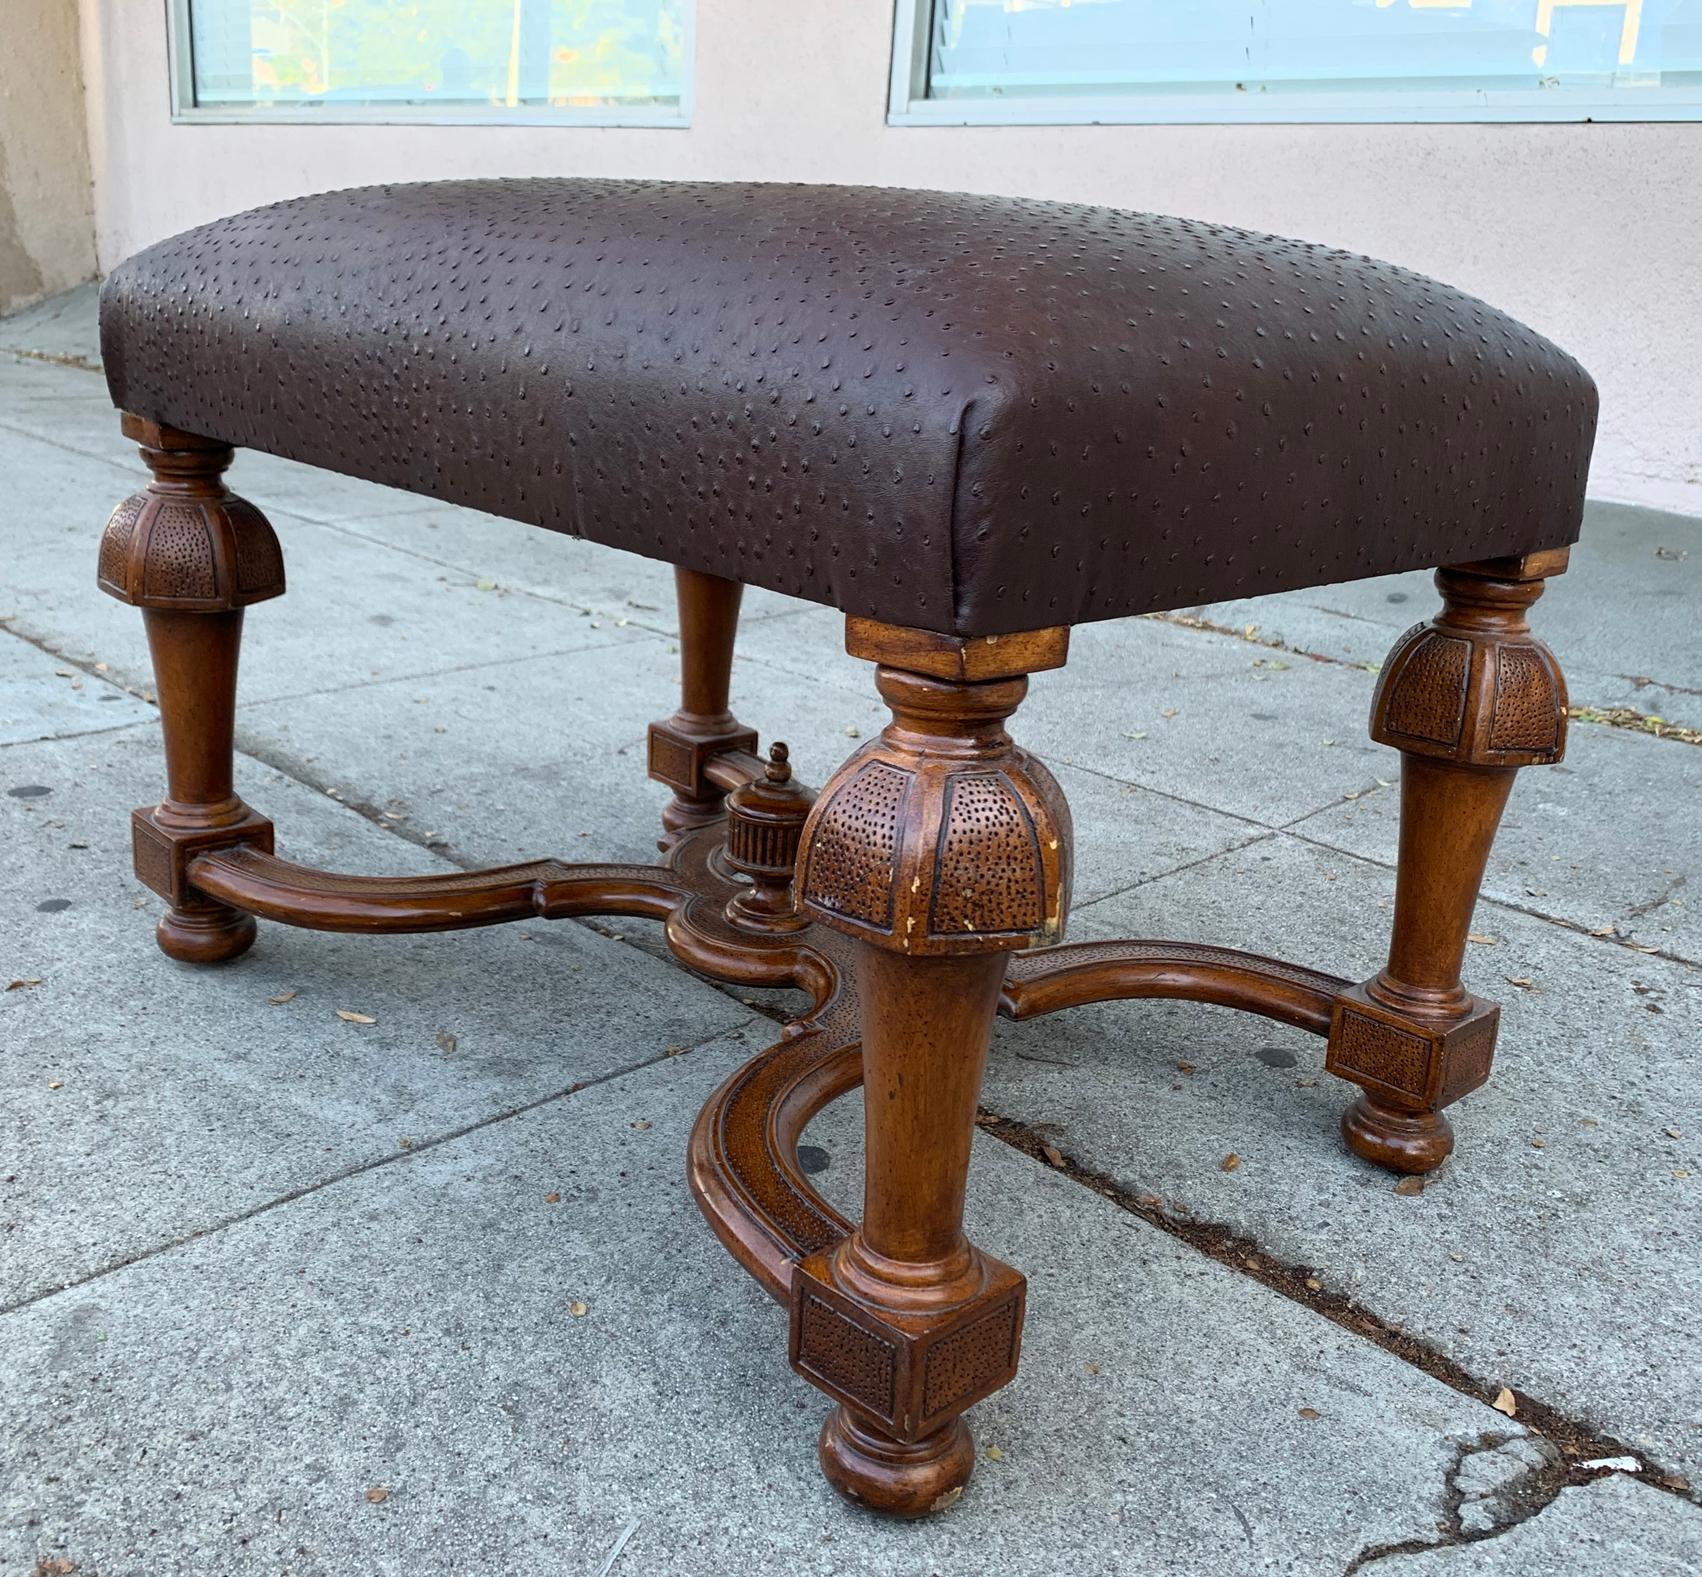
(281, 1293)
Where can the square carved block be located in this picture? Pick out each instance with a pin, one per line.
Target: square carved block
(1407, 1062)
(163, 854)
(910, 1372)
(677, 758)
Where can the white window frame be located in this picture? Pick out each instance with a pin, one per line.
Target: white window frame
(185, 111)
(908, 103)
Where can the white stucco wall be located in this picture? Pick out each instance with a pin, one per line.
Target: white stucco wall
(1592, 234)
(46, 230)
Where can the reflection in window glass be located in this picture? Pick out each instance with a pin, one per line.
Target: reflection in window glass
(1097, 48)
(453, 54)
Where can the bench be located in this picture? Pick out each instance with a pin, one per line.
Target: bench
(968, 423)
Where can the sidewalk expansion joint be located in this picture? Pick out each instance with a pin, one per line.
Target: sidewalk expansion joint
(1612, 934)
(52, 358)
(1623, 717)
(418, 1147)
(1574, 1441)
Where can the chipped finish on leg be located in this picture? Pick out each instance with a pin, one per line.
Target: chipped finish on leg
(940, 848)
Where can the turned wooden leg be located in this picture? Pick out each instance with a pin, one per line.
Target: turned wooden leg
(1468, 699)
(681, 747)
(192, 556)
(941, 848)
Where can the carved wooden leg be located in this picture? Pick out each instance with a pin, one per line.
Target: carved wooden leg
(192, 556)
(941, 848)
(681, 747)
(1468, 699)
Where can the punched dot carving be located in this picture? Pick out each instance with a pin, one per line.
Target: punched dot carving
(969, 1359)
(1428, 700)
(259, 558)
(180, 553)
(1382, 1053)
(120, 532)
(958, 413)
(1470, 1054)
(1527, 712)
(851, 852)
(989, 878)
(857, 1361)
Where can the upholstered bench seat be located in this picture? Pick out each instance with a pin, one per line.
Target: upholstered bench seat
(969, 423)
(971, 415)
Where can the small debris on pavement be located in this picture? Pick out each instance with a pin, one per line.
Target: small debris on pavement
(24, 985)
(1505, 1402)
(1310, 1413)
(378, 1495)
(615, 1554)
(994, 1454)
(552, 1199)
(1054, 1156)
(578, 1308)
(1410, 1187)
(1484, 941)
(349, 1016)
(281, 998)
(1231, 1161)
(446, 1043)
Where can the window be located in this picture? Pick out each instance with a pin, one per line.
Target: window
(593, 62)
(1038, 61)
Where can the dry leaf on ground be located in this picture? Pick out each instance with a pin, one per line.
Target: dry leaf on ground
(1231, 1161)
(378, 1496)
(1505, 1402)
(1310, 1413)
(348, 1016)
(1053, 1154)
(281, 998)
(1410, 1187)
(446, 1042)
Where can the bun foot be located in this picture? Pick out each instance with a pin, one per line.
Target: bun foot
(1397, 1141)
(886, 1475)
(206, 936)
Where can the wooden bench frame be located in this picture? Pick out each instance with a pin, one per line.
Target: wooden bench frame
(922, 892)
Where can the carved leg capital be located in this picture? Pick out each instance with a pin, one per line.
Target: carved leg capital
(192, 556)
(940, 848)
(1468, 698)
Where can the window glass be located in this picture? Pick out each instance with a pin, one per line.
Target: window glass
(991, 49)
(450, 54)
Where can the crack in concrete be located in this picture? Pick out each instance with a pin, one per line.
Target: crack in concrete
(1574, 1441)
(1536, 1488)
(1475, 1518)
